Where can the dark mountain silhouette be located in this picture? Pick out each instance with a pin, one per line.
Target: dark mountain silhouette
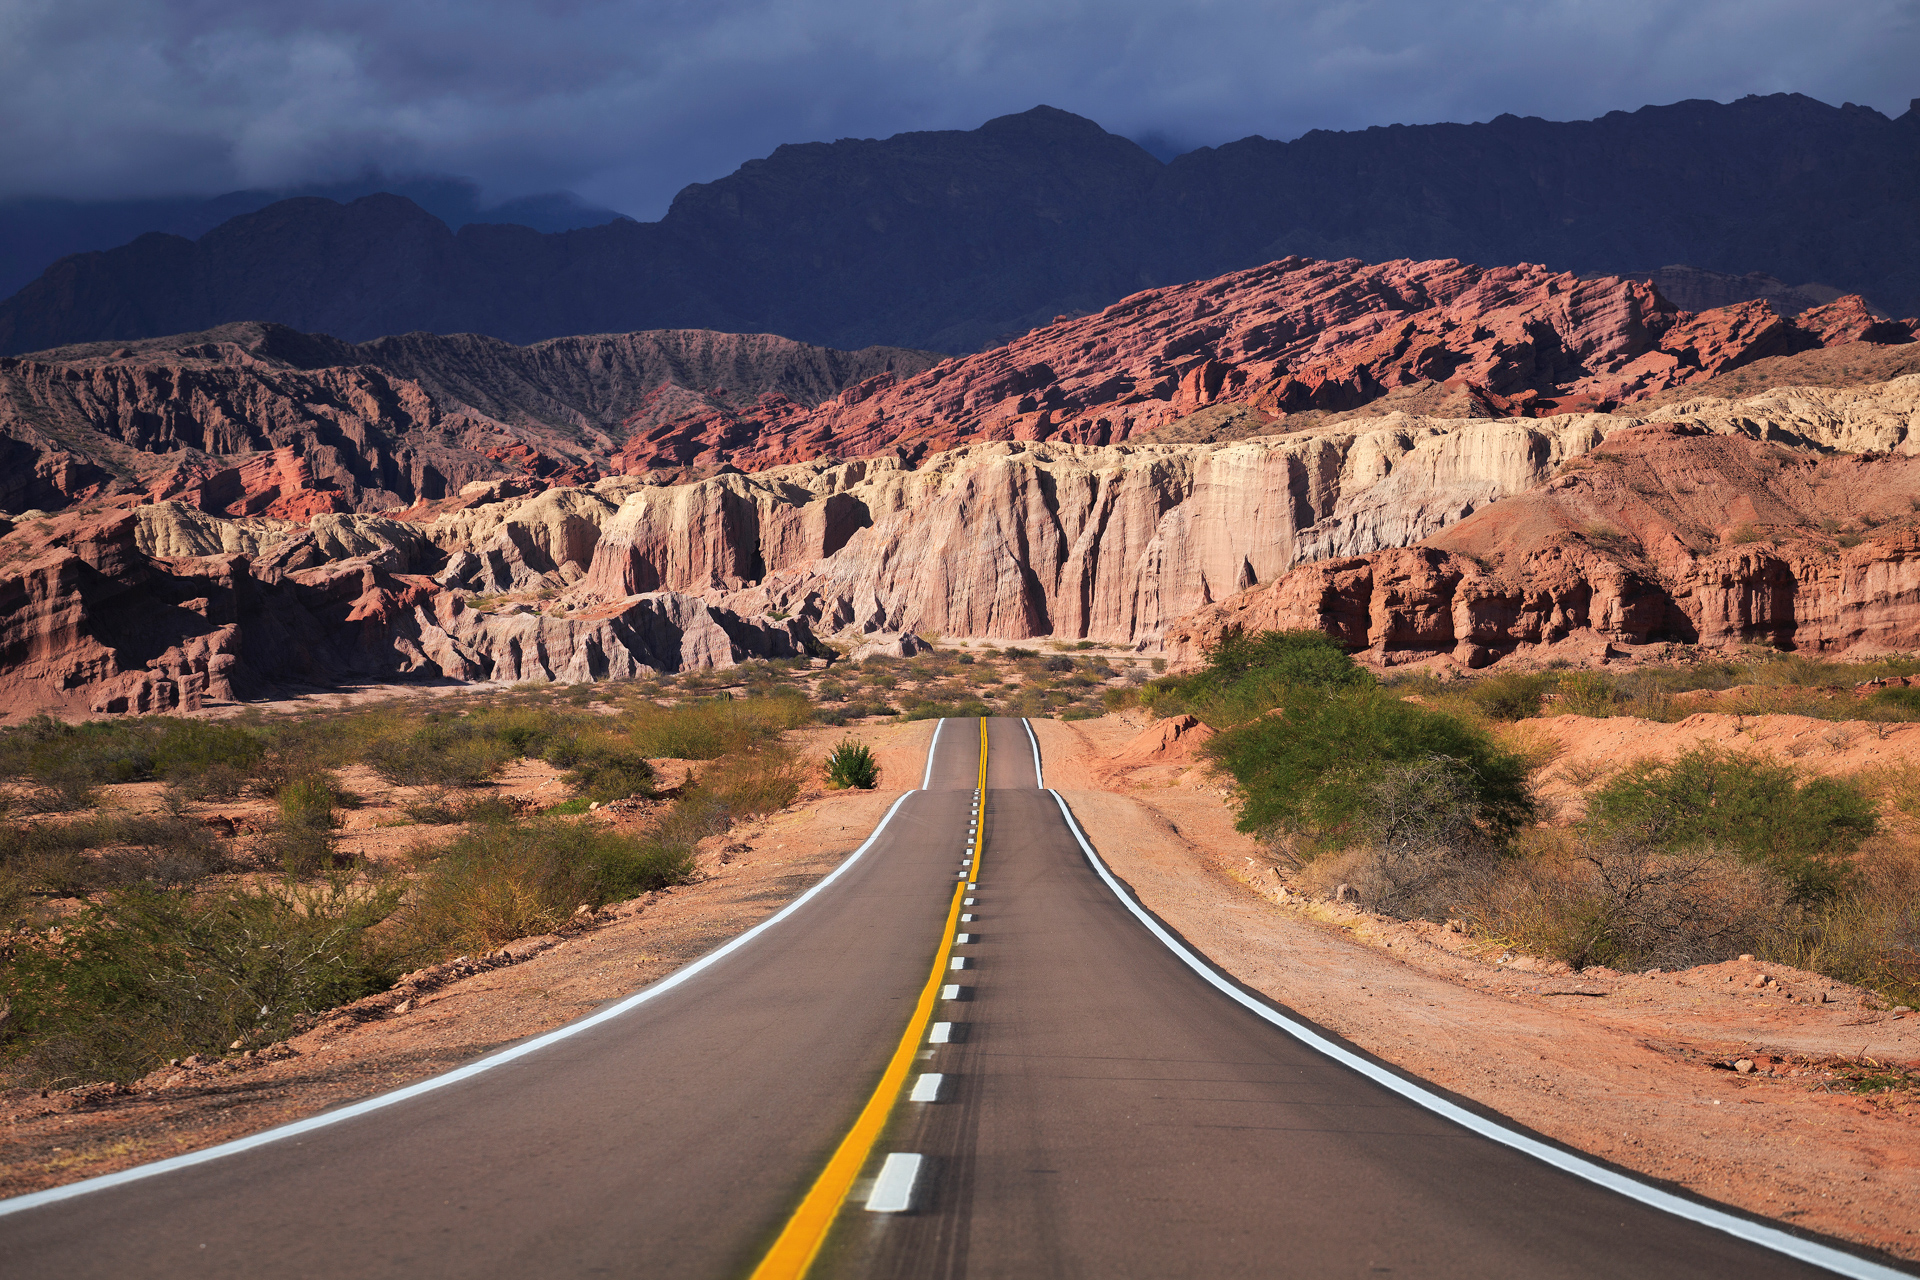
(953, 241)
(35, 231)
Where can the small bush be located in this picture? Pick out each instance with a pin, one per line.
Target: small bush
(1586, 693)
(1629, 907)
(1514, 696)
(498, 882)
(441, 753)
(1745, 804)
(948, 711)
(303, 840)
(51, 857)
(149, 975)
(851, 764)
(1314, 764)
(1421, 851)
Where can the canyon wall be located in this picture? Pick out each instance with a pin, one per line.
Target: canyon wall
(1723, 525)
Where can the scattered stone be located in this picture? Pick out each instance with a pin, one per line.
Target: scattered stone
(1744, 1066)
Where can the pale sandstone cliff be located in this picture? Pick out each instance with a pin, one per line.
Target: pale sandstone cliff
(1787, 518)
(1727, 524)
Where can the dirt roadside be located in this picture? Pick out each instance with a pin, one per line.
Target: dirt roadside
(455, 1012)
(1626, 1067)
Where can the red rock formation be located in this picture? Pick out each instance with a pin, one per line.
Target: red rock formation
(259, 420)
(1663, 534)
(1291, 336)
(90, 623)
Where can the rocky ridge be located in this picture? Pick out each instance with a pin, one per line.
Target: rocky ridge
(259, 420)
(1293, 336)
(956, 240)
(1788, 520)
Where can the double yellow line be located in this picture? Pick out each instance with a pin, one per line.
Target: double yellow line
(800, 1241)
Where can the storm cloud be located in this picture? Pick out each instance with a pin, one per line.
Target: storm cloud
(625, 103)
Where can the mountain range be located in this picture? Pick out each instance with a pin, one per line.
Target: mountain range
(955, 241)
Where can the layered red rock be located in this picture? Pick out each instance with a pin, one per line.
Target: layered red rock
(1292, 336)
(1665, 534)
(253, 420)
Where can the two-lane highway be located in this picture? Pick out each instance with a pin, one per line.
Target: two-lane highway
(1108, 1106)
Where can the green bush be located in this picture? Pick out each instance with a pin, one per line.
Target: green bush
(303, 838)
(149, 975)
(1312, 765)
(501, 881)
(948, 711)
(1514, 696)
(51, 857)
(1746, 804)
(851, 764)
(441, 753)
(602, 768)
(1245, 676)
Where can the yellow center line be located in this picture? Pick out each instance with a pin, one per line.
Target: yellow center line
(800, 1240)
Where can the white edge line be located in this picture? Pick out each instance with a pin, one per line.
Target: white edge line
(106, 1181)
(926, 779)
(1809, 1251)
(1038, 781)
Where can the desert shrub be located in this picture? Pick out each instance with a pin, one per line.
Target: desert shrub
(1745, 804)
(444, 752)
(438, 808)
(149, 975)
(1626, 906)
(1904, 699)
(1312, 766)
(1586, 693)
(948, 711)
(501, 881)
(1513, 696)
(851, 764)
(710, 729)
(753, 783)
(303, 840)
(1420, 849)
(602, 767)
(51, 857)
(1869, 932)
(1245, 676)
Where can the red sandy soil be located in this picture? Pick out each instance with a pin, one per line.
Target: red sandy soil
(1636, 1069)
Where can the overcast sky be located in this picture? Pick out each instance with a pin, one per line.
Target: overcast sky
(626, 102)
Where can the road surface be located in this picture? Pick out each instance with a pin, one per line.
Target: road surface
(1104, 1113)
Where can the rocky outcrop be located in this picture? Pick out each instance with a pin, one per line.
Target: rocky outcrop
(91, 622)
(1666, 533)
(1294, 336)
(259, 421)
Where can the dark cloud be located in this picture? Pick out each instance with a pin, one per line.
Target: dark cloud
(626, 102)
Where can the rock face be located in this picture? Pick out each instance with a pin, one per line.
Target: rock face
(954, 240)
(1290, 337)
(1725, 525)
(257, 420)
(91, 622)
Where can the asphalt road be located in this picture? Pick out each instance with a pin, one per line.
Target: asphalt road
(671, 1141)
(1106, 1114)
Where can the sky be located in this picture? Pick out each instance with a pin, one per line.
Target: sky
(626, 101)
